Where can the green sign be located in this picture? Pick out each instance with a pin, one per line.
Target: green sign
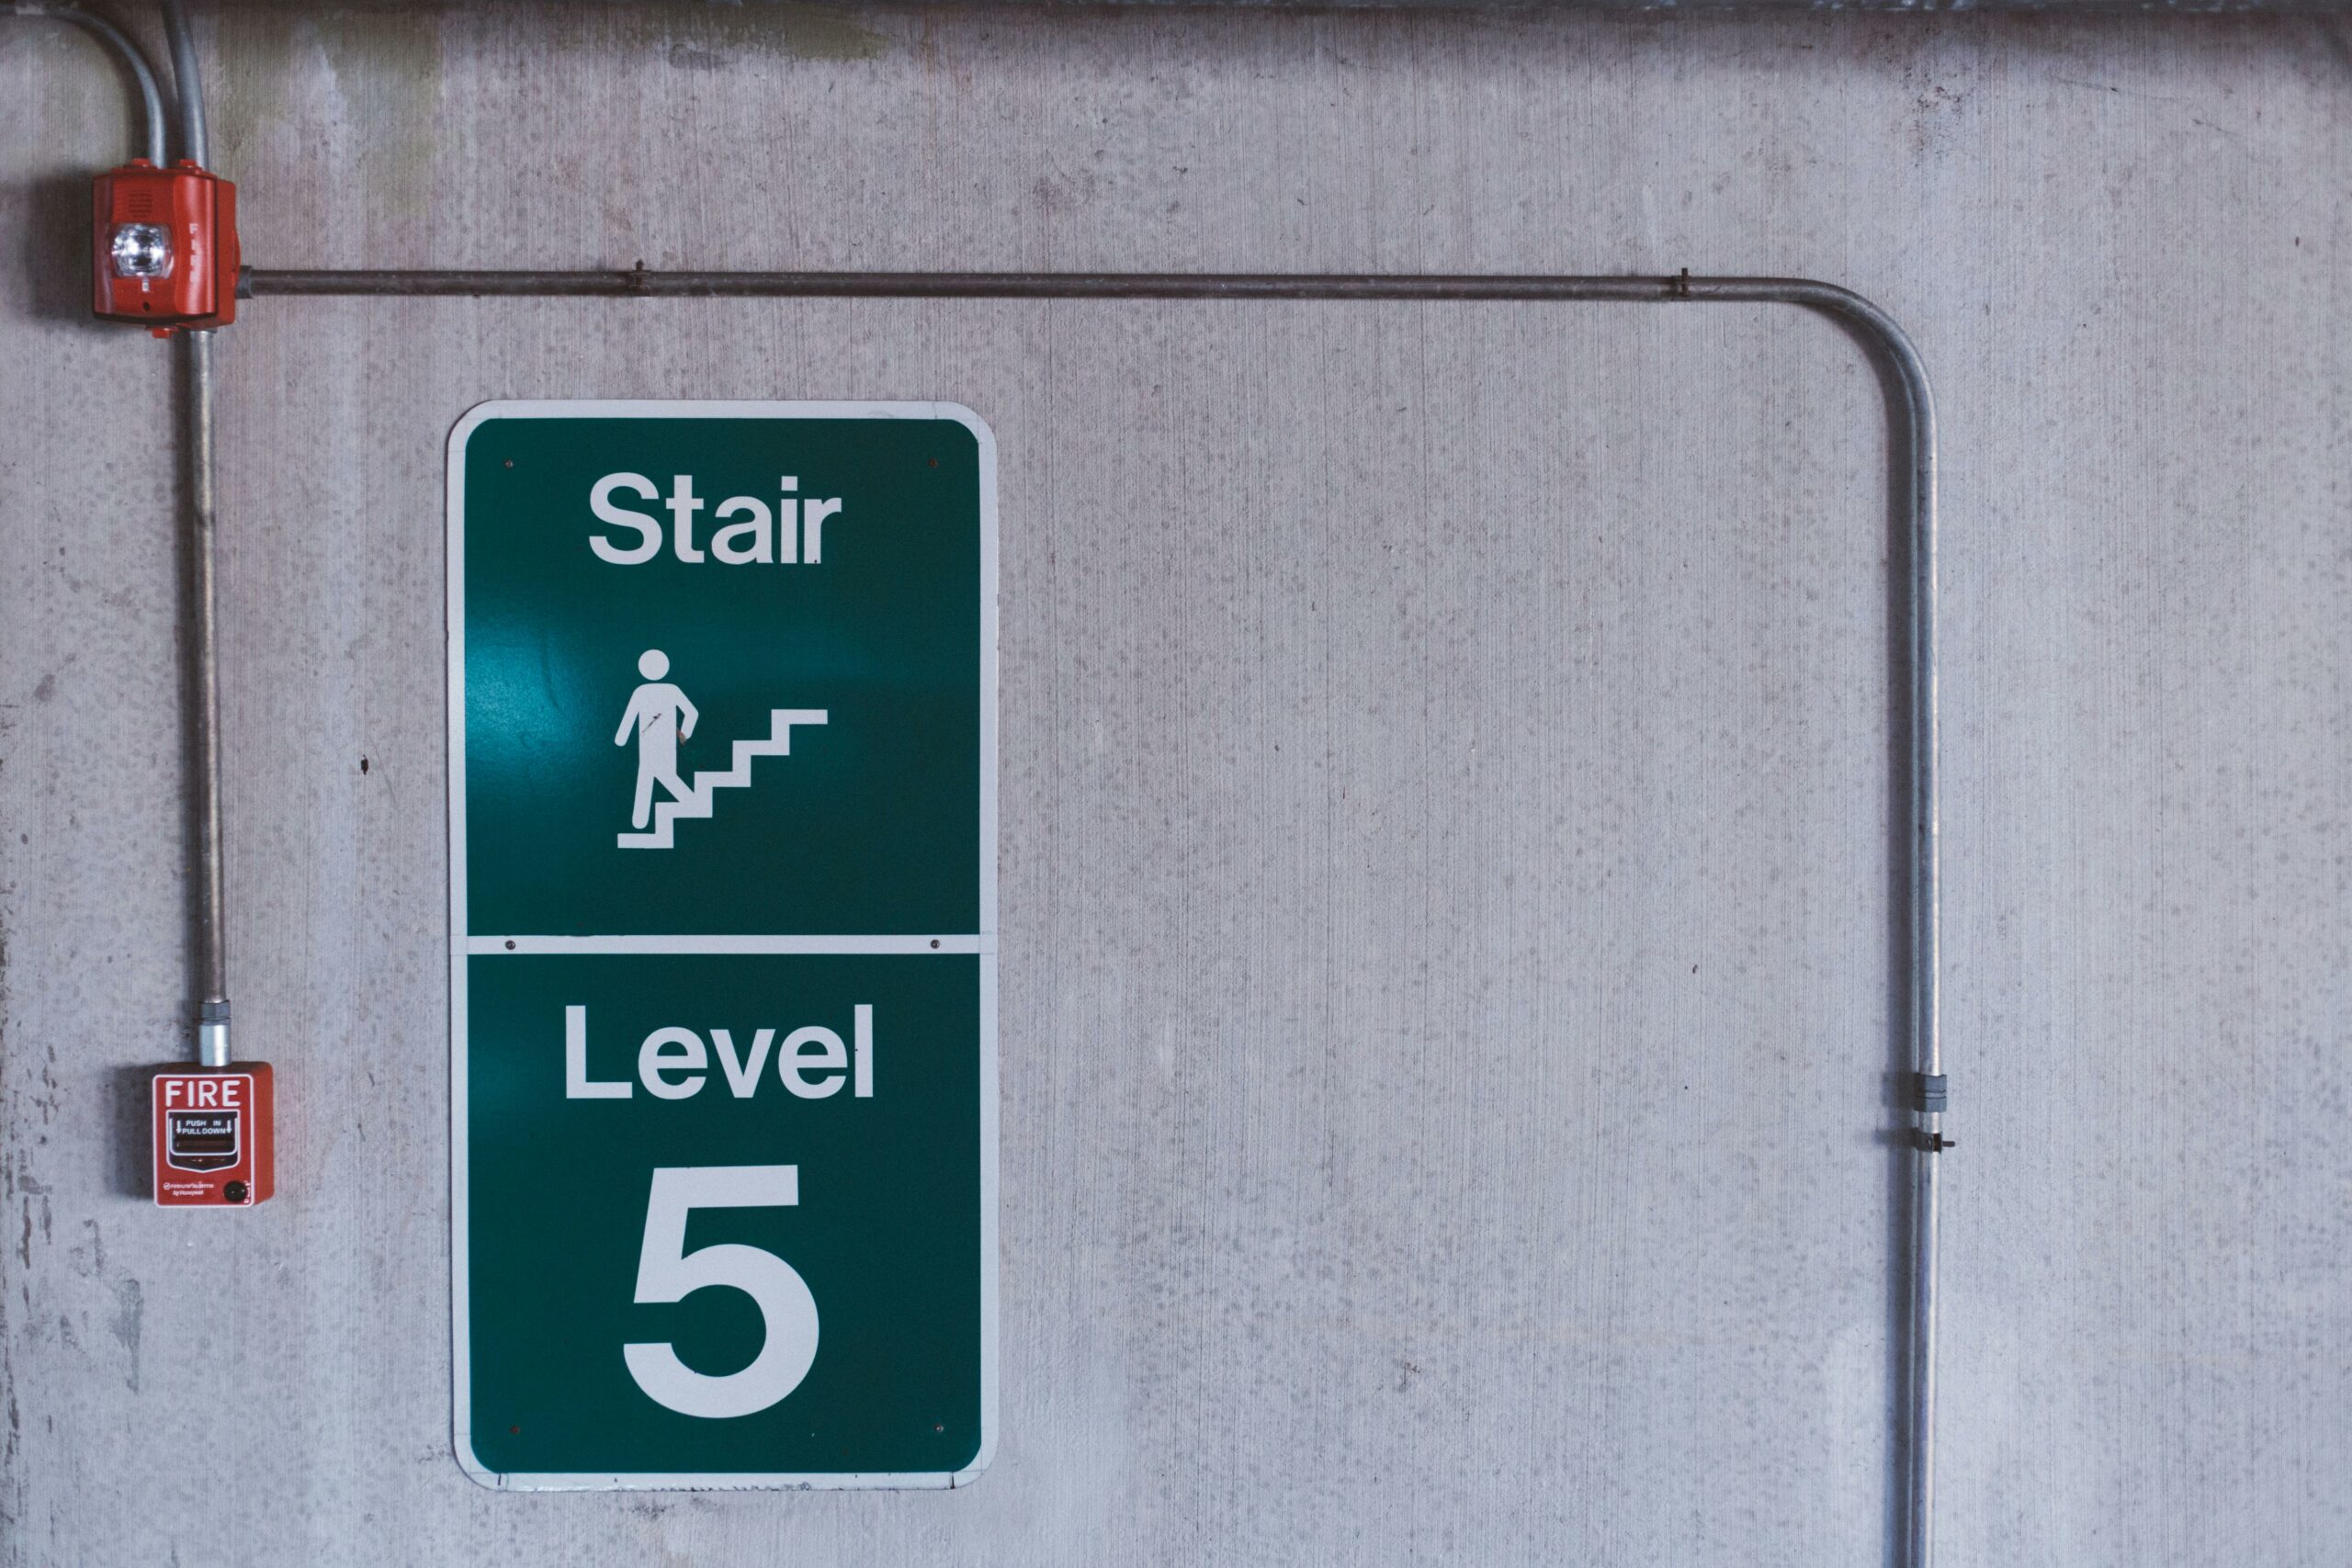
(722, 805)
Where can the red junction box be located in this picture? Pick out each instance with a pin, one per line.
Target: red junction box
(212, 1145)
(165, 246)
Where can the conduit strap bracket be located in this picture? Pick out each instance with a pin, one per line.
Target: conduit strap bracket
(1934, 1094)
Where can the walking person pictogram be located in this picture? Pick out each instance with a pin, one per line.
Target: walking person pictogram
(661, 716)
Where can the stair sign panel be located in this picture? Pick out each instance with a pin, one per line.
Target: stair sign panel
(722, 732)
(657, 610)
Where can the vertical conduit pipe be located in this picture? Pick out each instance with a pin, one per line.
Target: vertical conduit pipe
(210, 894)
(1911, 427)
(1914, 426)
(188, 83)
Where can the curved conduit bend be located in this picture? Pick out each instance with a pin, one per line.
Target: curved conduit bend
(134, 59)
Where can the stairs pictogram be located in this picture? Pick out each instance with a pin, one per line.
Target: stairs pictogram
(698, 800)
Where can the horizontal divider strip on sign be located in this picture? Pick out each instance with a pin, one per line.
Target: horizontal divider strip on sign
(725, 944)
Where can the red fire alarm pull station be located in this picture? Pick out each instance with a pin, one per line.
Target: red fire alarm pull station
(213, 1147)
(165, 246)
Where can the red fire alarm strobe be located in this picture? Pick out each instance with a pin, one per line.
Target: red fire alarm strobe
(212, 1136)
(165, 246)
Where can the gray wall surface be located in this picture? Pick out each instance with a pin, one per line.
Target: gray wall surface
(1447, 949)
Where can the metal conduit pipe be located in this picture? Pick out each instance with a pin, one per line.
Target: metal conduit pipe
(193, 143)
(208, 934)
(134, 60)
(209, 895)
(1912, 427)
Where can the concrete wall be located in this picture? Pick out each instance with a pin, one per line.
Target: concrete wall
(1446, 949)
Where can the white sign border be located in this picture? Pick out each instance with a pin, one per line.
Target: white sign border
(461, 1365)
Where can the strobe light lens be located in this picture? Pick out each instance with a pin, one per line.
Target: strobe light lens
(142, 250)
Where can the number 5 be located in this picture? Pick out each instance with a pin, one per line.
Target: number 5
(666, 1271)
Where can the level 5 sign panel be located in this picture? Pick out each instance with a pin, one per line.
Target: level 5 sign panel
(722, 727)
(724, 1214)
